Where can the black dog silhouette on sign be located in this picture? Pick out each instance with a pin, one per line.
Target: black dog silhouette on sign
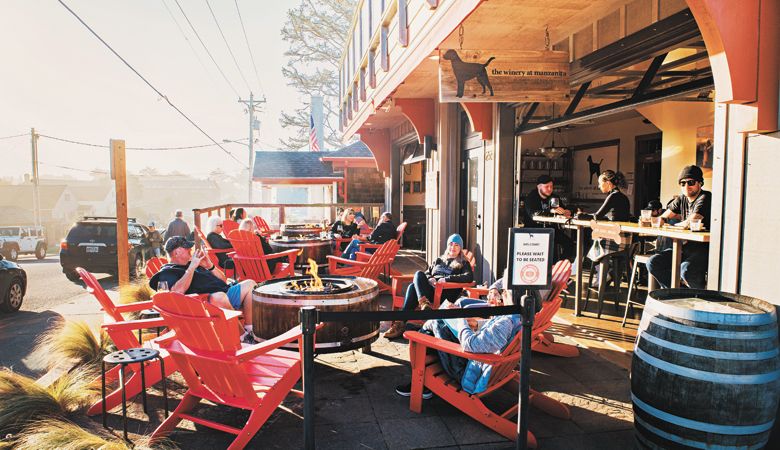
(595, 168)
(465, 71)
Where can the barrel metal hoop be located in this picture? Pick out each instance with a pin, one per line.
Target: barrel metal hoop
(703, 375)
(691, 443)
(325, 301)
(764, 334)
(709, 317)
(732, 430)
(696, 351)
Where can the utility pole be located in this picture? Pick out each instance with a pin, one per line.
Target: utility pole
(250, 104)
(36, 194)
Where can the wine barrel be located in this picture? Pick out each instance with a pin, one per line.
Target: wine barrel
(705, 370)
(275, 311)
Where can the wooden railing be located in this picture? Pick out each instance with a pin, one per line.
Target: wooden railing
(279, 213)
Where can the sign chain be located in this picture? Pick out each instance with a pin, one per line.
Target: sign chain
(460, 36)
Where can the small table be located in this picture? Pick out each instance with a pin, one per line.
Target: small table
(677, 235)
(125, 358)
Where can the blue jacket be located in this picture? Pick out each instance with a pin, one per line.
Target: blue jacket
(492, 337)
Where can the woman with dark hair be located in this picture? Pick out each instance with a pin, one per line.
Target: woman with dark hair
(616, 206)
(238, 215)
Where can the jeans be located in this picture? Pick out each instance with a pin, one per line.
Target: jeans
(156, 251)
(353, 248)
(693, 269)
(419, 288)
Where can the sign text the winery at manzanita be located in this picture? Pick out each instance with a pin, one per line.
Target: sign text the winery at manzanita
(503, 76)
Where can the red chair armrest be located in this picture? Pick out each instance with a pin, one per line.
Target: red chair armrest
(362, 256)
(132, 307)
(333, 262)
(264, 347)
(366, 245)
(451, 348)
(135, 324)
(476, 292)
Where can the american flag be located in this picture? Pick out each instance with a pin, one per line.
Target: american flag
(313, 145)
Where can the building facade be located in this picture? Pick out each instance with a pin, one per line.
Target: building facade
(645, 87)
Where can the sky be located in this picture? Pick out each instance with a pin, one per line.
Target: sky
(60, 79)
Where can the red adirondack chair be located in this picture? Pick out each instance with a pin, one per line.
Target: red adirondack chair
(217, 368)
(399, 231)
(229, 225)
(153, 265)
(213, 252)
(263, 227)
(367, 266)
(252, 263)
(427, 371)
(544, 342)
(399, 281)
(121, 332)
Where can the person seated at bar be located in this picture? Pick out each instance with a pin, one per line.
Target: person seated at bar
(218, 242)
(383, 232)
(191, 272)
(450, 267)
(249, 225)
(543, 200)
(345, 227)
(694, 203)
(492, 337)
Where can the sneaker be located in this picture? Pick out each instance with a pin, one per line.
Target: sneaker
(406, 391)
(396, 330)
(248, 338)
(425, 304)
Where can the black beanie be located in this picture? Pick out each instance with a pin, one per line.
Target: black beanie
(692, 172)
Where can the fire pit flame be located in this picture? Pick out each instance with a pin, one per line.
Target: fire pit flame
(316, 284)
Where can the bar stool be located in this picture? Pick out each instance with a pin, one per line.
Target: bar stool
(148, 314)
(615, 261)
(652, 284)
(124, 358)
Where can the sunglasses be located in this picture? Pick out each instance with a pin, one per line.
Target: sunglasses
(218, 225)
(688, 182)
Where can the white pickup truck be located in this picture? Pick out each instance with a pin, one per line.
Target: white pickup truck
(18, 240)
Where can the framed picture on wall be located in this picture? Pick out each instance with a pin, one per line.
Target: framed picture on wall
(417, 186)
(588, 161)
(704, 139)
(407, 186)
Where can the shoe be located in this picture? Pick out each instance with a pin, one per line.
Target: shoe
(248, 338)
(425, 304)
(396, 330)
(406, 391)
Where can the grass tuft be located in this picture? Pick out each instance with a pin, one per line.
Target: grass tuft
(74, 340)
(63, 435)
(22, 401)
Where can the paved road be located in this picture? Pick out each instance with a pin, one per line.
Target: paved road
(49, 297)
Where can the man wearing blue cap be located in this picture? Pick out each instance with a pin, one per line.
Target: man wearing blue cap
(193, 273)
(450, 267)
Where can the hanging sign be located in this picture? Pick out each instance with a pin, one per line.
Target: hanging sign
(432, 190)
(503, 76)
(530, 257)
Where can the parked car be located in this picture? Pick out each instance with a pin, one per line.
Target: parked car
(13, 285)
(91, 244)
(21, 240)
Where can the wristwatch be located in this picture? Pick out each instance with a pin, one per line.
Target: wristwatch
(213, 266)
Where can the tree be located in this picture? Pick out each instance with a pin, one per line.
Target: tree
(316, 33)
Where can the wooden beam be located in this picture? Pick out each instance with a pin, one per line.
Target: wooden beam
(577, 98)
(481, 117)
(403, 24)
(529, 114)
(384, 57)
(120, 176)
(648, 77)
(421, 113)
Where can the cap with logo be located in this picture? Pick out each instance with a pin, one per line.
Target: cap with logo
(175, 242)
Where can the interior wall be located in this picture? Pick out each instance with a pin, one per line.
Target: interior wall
(625, 131)
(678, 121)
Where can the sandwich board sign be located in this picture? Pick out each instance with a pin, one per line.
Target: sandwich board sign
(530, 258)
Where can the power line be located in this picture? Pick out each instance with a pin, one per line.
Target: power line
(189, 43)
(73, 168)
(205, 48)
(251, 56)
(14, 136)
(227, 45)
(148, 83)
(88, 144)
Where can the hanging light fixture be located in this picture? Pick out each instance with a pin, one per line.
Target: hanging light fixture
(553, 151)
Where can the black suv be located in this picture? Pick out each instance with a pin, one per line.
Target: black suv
(91, 244)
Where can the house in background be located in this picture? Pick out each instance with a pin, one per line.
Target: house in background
(59, 208)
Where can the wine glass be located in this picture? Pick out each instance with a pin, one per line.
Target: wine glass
(554, 203)
(162, 286)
